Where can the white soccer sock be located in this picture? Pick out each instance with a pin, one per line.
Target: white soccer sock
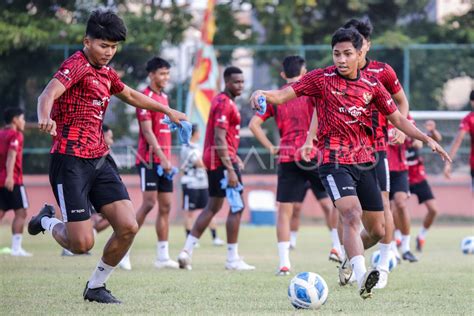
(358, 268)
(190, 243)
(423, 232)
(405, 243)
(100, 275)
(284, 254)
(16, 241)
(293, 236)
(232, 252)
(336, 243)
(398, 234)
(162, 251)
(48, 223)
(393, 244)
(384, 261)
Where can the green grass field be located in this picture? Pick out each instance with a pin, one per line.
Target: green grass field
(441, 283)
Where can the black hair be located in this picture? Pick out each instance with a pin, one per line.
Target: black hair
(195, 129)
(347, 35)
(156, 63)
(363, 26)
(106, 25)
(471, 96)
(10, 113)
(292, 66)
(105, 128)
(229, 71)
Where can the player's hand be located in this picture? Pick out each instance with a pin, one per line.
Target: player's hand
(176, 116)
(47, 125)
(254, 99)
(306, 150)
(232, 179)
(435, 147)
(240, 163)
(274, 150)
(447, 170)
(398, 137)
(166, 165)
(430, 126)
(9, 183)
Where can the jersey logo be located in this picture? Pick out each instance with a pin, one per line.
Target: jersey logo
(397, 82)
(222, 119)
(375, 70)
(372, 84)
(367, 97)
(335, 92)
(14, 143)
(330, 74)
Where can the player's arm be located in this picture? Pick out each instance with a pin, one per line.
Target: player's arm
(417, 144)
(139, 100)
(454, 150)
(150, 138)
(430, 126)
(53, 90)
(10, 166)
(308, 145)
(272, 96)
(255, 126)
(223, 153)
(402, 102)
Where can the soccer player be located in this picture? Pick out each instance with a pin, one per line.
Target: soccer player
(388, 78)
(154, 151)
(221, 161)
(293, 119)
(419, 185)
(466, 126)
(12, 192)
(195, 185)
(343, 120)
(71, 109)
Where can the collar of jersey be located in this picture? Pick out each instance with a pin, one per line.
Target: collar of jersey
(348, 79)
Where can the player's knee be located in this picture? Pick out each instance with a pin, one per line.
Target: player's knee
(20, 214)
(400, 203)
(148, 204)
(164, 209)
(129, 230)
(82, 245)
(352, 216)
(377, 231)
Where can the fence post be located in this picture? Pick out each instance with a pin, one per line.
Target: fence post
(406, 71)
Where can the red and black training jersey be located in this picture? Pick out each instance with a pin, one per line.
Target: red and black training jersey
(11, 139)
(80, 110)
(388, 78)
(344, 113)
(467, 124)
(293, 119)
(396, 155)
(161, 130)
(416, 167)
(224, 114)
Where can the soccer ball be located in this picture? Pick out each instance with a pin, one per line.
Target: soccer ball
(392, 261)
(308, 290)
(467, 245)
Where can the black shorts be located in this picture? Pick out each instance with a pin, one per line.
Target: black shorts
(13, 200)
(422, 191)
(293, 178)
(398, 182)
(215, 176)
(383, 173)
(194, 199)
(349, 180)
(151, 181)
(80, 183)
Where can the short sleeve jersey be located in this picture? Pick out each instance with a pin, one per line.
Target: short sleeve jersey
(396, 155)
(467, 124)
(293, 119)
(11, 140)
(388, 78)
(80, 110)
(416, 167)
(224, 114)
(161, 130)
(344, 110)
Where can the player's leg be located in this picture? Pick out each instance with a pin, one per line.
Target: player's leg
(400, 200)
(100, 223)
(165, 196)
(283, 237)
(149, 187)
(216, 241)
(425, 196)
(19, 203)
(295, 224)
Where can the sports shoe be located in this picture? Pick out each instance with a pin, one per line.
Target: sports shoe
(383, 279)
(167, 264)
(20, 253)
(283, 271)
(420, 242)
(345, 272)
(218, 242)
(34, 226)
(99, 295)
(66, 253)
(408, 256)
(125, 263)
(184, 260)
(334, 256)
(292, 247)
(238, 265)
(370, 280)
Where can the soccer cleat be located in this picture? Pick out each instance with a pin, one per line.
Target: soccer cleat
(408, 256)
(218, 242)
(184, 260)
(420, 242)
(370, 280)
(34, 226)
(238, 265)
(66, 253)
(99, 295)
(334, 256)
(345, 272)
(125, 263)
(20, 253)
(383, 279)
(283, 271)
(292, 247)
(166, 264)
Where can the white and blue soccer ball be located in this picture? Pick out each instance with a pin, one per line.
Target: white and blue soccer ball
(392, 261)
(467, 245)
(308, 290)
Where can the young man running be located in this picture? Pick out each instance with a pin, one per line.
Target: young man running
(71, 109)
